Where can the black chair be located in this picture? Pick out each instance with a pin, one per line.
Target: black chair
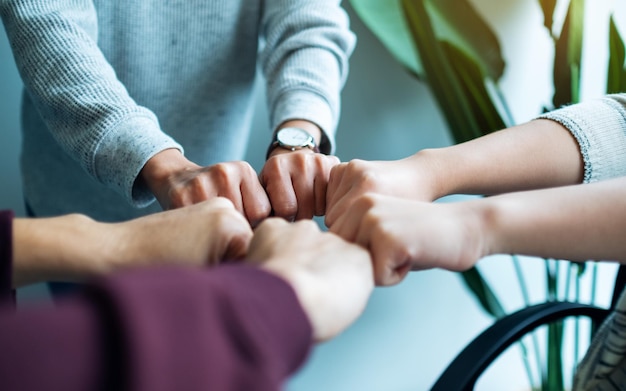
(469, 365)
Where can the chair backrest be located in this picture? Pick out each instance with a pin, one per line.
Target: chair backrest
(620, 283)
(470, 364)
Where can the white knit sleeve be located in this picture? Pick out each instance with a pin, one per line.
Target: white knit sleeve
(599, 127)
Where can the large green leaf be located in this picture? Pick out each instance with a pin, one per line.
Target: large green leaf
(438, 71)
(458, 22)
(456, 80)
(385, 18)
(568, 56)
(616, 79)
(453, 20)
(488, 300)
(481, 102)
(554, 376)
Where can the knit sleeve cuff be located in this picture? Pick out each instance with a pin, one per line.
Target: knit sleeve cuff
(599, 127)
(124, 151)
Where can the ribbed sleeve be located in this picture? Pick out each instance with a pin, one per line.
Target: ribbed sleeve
(77, 93)
(599, 127)
(305, 62)
(110, 83)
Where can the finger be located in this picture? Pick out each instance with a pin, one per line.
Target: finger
(220, 203)
(391, 260)
(347, 225)
(303, 187)
(265, 235)
(305, 228)
(340, 208)
(279, 188)
(189, 194)
(225, 178)
(338, 187)
(269, 226)
(256, 204)
(335, 180)
(228, 232)
(320, 185)
(239, 242)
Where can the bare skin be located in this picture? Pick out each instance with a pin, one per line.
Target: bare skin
(577, 222)
(75, 247)
(543, 210)
(332, 278)
(534, 155)
(292, 184)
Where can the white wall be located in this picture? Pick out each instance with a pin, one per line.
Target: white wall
(410, 332)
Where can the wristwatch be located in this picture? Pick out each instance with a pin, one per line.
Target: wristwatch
(292, 139)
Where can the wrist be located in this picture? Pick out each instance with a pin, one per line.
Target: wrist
(158, 170)
(296, 135)
(432, 179)
(484, 217)
(308, 126)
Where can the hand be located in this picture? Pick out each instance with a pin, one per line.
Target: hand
(205, 233)
(405, 178)
(177, 182)
(296, 182)
(404, 235)
(74, 247)
(332, 278)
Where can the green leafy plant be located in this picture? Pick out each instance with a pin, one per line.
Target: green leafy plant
(448, 45)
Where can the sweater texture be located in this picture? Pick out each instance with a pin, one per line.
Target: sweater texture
(108, 84)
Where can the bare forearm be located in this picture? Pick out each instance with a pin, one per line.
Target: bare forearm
(573, 222)
(66, 248)
(538, 154)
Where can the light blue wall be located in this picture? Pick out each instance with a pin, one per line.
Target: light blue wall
(408, 333)
(10, 139)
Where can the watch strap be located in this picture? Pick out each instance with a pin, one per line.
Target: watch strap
(276, 144)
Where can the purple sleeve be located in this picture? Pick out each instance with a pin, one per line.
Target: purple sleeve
(231, 328)
(6, 256)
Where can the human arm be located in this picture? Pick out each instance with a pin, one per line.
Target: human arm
(296, 181)
(537, 154)
(332, 278)
(75, 247)
(305, 63)
(88, 111)
(579, 143)
(160, 329)
(178, 182)
(232, 327)
(577, 222)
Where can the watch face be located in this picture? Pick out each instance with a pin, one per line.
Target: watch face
(294, 137)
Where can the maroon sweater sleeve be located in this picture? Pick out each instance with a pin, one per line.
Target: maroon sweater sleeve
(231, 328)
(6, 256)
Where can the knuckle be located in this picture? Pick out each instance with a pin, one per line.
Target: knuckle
(308, 225)
(222, 203)
(221, 173)
(286, 209)
(367, 201)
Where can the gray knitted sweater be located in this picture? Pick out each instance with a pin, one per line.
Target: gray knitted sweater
(108, 84)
